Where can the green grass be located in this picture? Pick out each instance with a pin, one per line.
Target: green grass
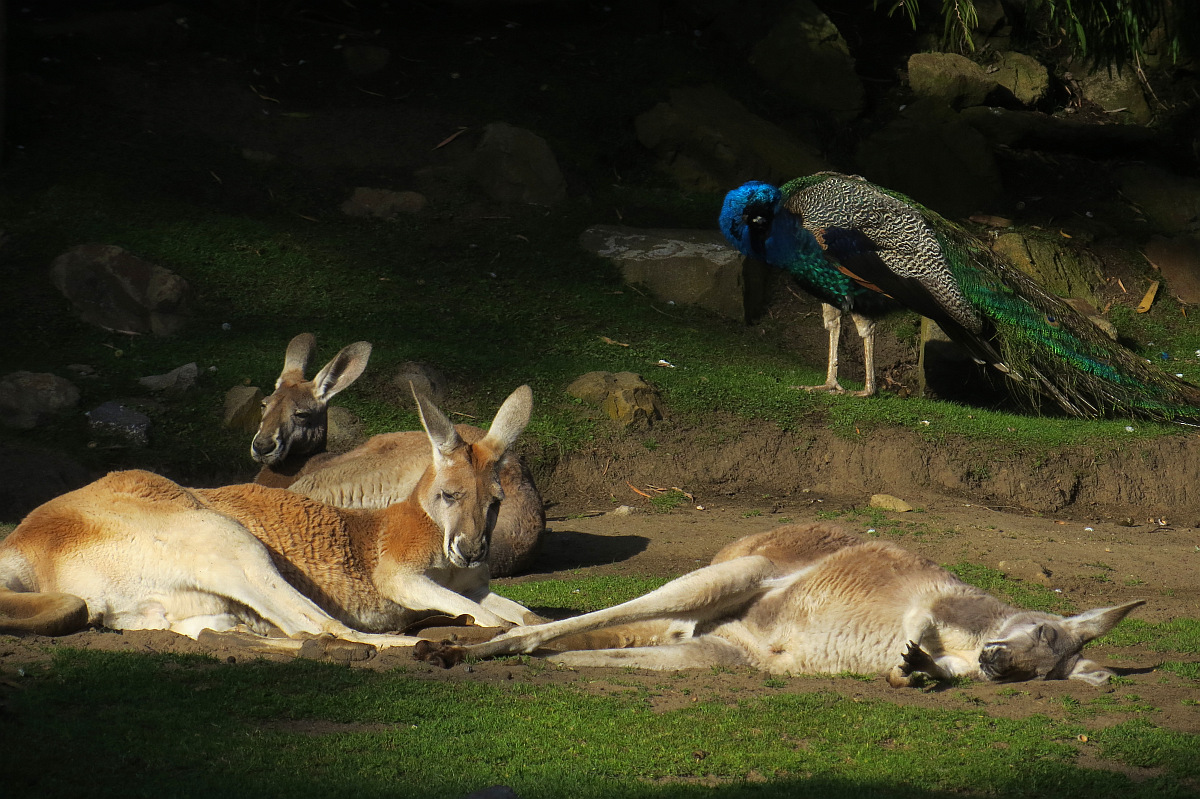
(106, 724)
(1024, 595)
(579, 595)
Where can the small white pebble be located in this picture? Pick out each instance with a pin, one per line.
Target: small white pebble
(1089, 530)
(1128, 429)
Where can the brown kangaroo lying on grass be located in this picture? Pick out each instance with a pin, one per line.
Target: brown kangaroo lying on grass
(291, 440)
(135, 551)
(813, 598)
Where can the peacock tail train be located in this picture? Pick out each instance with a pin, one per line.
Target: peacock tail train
(887, 244)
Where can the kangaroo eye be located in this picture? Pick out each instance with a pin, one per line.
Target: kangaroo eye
(303, 414)
(450, 499)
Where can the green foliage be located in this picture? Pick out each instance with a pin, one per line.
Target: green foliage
(1104, 31)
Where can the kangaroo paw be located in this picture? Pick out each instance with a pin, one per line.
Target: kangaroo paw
(916, 660)
(339, 650)
(444, 653)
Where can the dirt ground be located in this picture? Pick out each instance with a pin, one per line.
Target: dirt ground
(1093, 563)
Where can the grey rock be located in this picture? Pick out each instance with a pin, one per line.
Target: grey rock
(515, 165)
(1027, 571)
(624, 397)
(706, 140)
(119, 421)
(29, 398)
(29, 477)
(243, 408)
(805, 58)
(683, 266)
(1178, 258)
(1118, 93)
(114, 289)
(1025, 78)
(175, 382)
(947, 164)
(889, 502)
(1055, 264)
(383, 203)
(1170, 203)
(949, 78)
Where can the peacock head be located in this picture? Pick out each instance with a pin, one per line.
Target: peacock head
(747, 216)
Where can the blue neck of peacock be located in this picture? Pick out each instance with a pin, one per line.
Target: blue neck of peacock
(791, 246)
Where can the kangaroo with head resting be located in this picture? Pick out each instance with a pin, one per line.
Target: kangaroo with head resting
(134, 551)
(806, 599)
(291, 440)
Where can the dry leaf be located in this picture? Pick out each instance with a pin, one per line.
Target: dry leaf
(608, 340)
(1148, 300)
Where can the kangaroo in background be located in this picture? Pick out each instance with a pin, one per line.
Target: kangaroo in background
(813, 598)
(135, 551)
(291, 441)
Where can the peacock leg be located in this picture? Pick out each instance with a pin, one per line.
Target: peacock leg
(832, 317)
(866, 329)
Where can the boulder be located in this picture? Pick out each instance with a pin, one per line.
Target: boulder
(949, 78)
(175, 382)
(243, 408)
(29, 398)
(624, 397)
(383, 203)
(1023, 76)
(1118, 93)
(1063, 269)
(683, 266)
(946, 164)
(706, 140)
(114, 289)
(515, 165)
(29, 477)
(1178, 259)
(805, 58)
(117, 420)
(1171, 203)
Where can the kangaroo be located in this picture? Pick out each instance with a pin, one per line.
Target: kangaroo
(135, 550)
(813, 598)
(291, 440)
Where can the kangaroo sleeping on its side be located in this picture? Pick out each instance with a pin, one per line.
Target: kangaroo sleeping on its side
(813, 598)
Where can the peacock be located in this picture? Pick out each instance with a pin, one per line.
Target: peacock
(865, 250)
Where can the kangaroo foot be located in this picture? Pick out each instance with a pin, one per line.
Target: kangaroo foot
(444, 653)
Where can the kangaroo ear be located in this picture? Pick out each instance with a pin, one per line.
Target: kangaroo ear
(1089, 672)
(1095, 623)
(295, 358)
(441, 432)
(511, 420)
(346, 367)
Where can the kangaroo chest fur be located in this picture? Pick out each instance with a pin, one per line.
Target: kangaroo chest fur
(334, 567)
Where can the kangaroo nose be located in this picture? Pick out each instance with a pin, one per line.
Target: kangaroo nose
(264, 447)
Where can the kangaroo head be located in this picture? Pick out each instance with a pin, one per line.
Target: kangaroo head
(1041, 646)
(461, 492)
(295, 418)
